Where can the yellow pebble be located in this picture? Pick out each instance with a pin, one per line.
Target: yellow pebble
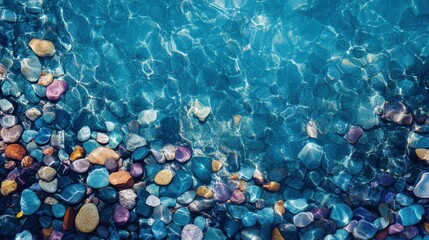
(19, 214)
(237, 120)
(275, 235)
(46, 232)
(216, 165)
(8, 186)
(279, 207)
(204, 192)
(164, 177)
(242, 186)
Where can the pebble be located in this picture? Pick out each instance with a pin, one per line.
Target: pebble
(33, 114)
(6, 106)
(31, 68)
(249, 219)
(162, 213)
(216, 165)
(127, 198)
(111, 165)
(72, 194)
(183, 154)
(147, 117)
(80, 165)
(364, 230)
(199, 110)
(9, 225)
(215, 234)
(182, 216)
(30, 202)
(201, 205)
(303, 219)
(46, 173)
(8, 187)
(99, 155)
(237, 197)
(24, 235)
(136, 170)
(202, 168)
(411, 215)
(15, 152)
(234, 160)
(311, 155)
(395, 228)
(42, 48)
(191, 232)
(8, 121)
(353, 134)
(108, 195)
(84, 134)
(421, 189)
(11, 135)
(153, 201)
(266, 216)
(341, 214)
(140, 153)
(56, 89)
(78, 152)
(49, 187)
(187, 197)
(204, 192)
(169, 152)
(46, 79)
(102, 138)
(296, 206)
(272, 186)
(221, 192)
(98, 178)
(58, 210)
(121, 215)
(163, 177)
(121, 179)
(87, 219)
(134, 141)
(200, 222)
(158, 230)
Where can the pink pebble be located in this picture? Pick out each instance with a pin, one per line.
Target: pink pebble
(56, 89)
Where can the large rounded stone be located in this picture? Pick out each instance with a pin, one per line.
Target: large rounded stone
(80, 165)
(121, 179)
(42, 48)
(191, 232)
(15, 152)
(87, 219)
(98, 178)
(11, 135)
(99, 155)
(30, 202)
(46, 173)
(31, 68)
(421, 189)
(56, 90)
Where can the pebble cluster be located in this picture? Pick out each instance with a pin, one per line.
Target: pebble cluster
(114, 184)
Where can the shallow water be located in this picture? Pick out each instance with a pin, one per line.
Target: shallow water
(289, 69)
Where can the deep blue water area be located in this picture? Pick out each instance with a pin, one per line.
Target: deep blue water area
(297, 89)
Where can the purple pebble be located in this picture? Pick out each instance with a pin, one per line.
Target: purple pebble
(56, 235)
(56, 89)
(320, 213)
(136, 170)
(183, 154)
(387, 180)
(395, 228)
(411, 232)
(121, 215)
(353, 134)
(221, 192)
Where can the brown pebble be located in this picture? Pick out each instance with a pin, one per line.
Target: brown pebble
(68, 219)
(272, 186)
(234, 176)
(422, 154)
(87, 219)
(15, 152)
(46, 232)
(49, 151)
(78, 152)
(216, 165)
(27, 161)
(204, 192)
(163, 177)
(9, 165)
(41, 47)
(46, 79)
(121, 179)
(99, 155)
(279, 207)
(276, 235)
(237, 120)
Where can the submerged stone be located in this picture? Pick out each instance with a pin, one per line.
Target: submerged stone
(311, 155)
(191, 232)
(341, 214)
(421, 189)
(31, 68)
(72, 194)
(30, 202)
(202, 168)
(411, 215)
(98, 178)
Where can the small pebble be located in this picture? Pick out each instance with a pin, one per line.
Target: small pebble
(163, 177)
(87, 219)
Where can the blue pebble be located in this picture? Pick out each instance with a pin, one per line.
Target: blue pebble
(200, 222)
(30, 202)
(43, 136)
(254, 193)
(362, 213)
(123, 234)
(341, 234)
(90, 145)
(158, 230)
(182, 216)
(98, 178)
(404, 199)
(246, 173)
(72, 194)
(108, 195)
(58, 210)
(140, 153)
(181, 183)
(237, 211)
(341, 214)
(57, 225)
(28, 135)
(168, 202)
(39, 90)
(214, 234)
(24, 235)
(234, 161)
(45, 221)
(48, 117)
(231, 228)
(174, 231)
(296, 205)
(187, 197)
(202, 168)
(39, 123)
(411, 215)
(249, 219)
(364, 230)
(37, 154)
(266, 216)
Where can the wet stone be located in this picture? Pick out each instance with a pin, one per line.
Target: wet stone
(153, 201)
(311, 155)
(353, 134)
(163, 177)
(8, 186)
(24, 235)
(249, 219)
(46, 173)
(234, 161)
(303, 219)
(31, 68)
(187, 197)
(158, 230)
(169, 152)
(296, 205)
(84, 134)
(98, 178)
(341, 214)
(411, 215)
(42, 47)
(136, 170)
(221, 192)
(30, 202)
(72, 194)
(127, 198)
(183, 154)
(80, 165)
(200, 222)
(134, 141)
(43, 136)
(364, 230)
(11, 135)
(87, 219)
(182, 216)
(140, 153)
(9, 225)
(55, 90)
(58, 210)
(202, 168)
(8, 121)
(99, 155)
(162, 213)
(421, 189)
(111, 164)
(121, 215)
(49, 187)
(201, 205)
(214, 234)
(191, 232)
(108, 195)
(121, 179)
(266, 216)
